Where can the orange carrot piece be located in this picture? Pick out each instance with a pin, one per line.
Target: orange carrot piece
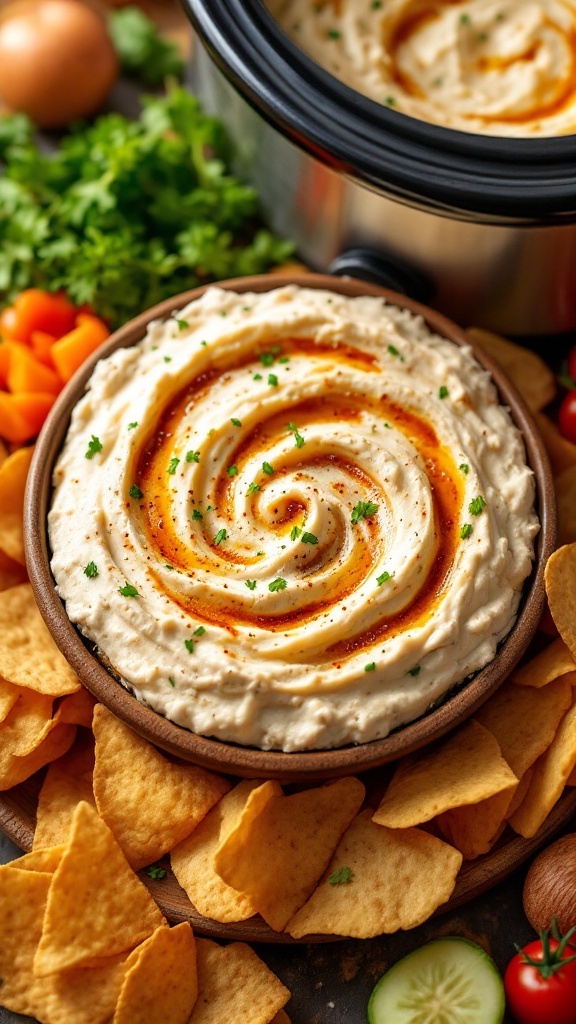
(4, 363)
(69, 352)
(33, 407)
(41, 343)
(25, 373)
(37, 310)
(8, 323)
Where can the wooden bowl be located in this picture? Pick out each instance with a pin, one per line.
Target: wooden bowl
(228, 757)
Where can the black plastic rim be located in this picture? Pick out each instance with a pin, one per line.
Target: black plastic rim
(532, 180)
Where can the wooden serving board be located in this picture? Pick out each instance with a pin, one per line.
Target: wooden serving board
(18, 816)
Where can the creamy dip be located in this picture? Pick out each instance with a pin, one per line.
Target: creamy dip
(292, 520)
(497, 67)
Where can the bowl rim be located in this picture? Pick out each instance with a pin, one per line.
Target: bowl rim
(230, 758)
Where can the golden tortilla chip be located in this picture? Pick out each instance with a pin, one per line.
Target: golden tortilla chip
(193, 860)
(475, 828)
(397, 879)
(97, 907)
(15, 769)
(463, 769)
(27, 723)
(551, 772)
(234, 984)
(554, 661)
(78, 708)
(565, 486)
(562, 453)
(520, 793)
(277, 857)
(8, 696)
(12, 574)
(571, 780)
(13, 476)
(46, 860)
(28, 654)
(73, 997)
(149, 802)
(560, 583)
(528, 372)
(160, 985)
(524, 719)
(68, 781)
(281, 1018)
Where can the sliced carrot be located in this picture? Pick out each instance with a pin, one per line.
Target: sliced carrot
(8, 323)
(37, 310)
(4, 363)
(32, 406)
(14, 424)
(41, 343)
(69, 352)
(25, 373)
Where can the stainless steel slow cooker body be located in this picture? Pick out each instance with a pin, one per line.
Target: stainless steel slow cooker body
(483, 228)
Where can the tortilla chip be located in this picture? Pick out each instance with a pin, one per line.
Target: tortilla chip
(475, 828)
(15, 769)
(46, 860)
(78, 708)
(8, 696)
(160, 984)
(68, 781)
(520, 793)
(277, 857)
(13, 476)
(528, 372)
(551, 772)
(150, 803)
(73, 997)
(554, 661)
(234, 984)
(565, 486)
(562, 453)
(27, 723)
(28, 654)
(398, 877)
(11, 573)
(524, 720)
(560, 583)
(571, 780)
(97, 907)
(193, 860)
(281, 1018)
(463, 769)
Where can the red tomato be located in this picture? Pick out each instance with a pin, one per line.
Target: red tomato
(567, 417)
(535, 999)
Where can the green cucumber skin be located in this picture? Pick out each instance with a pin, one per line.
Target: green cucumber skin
(487, 971)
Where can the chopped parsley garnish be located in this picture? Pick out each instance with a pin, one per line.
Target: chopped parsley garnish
(220, 536)
(300, 441)
(277, 584)
(309, 538)
(333, 33)
(295, 533)
(383, 578)
(464, 468)
(464, 19)
(203, 343)
(172, 465)
(413, 671)
(260, 552)
(257, 376)
(199, 631)
(189, 645)
(267, 468)
(168, 566)
(390, 101)
(476, 505)
(466, 531)
(266, 358)
(135, 492)
(284, 359)
(167, 359)
(210, 508)
(171, 681)
(132, 426)
(273, 380)
(341, 877)
(393, 350)
(363, 510)
(197, 515)
(156, 873)
(91, 570)
(192, 456)
(182, 324)
(443, 392)
(236, 422)
(232, 471)
(376, 5)
(94, 446)
(371, 667)
(251, 584)
(252, 488)
(128, 591)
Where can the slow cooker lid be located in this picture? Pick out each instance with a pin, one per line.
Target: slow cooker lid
(530, 179)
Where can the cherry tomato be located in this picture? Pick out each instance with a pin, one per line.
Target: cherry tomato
(567, 417)
(534, 998)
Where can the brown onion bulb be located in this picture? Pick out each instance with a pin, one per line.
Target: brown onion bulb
(550, 886)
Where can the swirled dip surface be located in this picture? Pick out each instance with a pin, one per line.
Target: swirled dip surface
(308, 516)
(497, 67)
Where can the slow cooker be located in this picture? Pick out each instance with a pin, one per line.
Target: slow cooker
(481, 227)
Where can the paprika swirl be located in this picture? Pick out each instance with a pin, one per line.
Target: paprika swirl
(308, 518)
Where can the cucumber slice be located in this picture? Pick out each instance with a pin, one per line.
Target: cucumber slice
(447, 981)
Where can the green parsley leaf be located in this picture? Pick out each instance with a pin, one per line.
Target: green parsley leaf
(341, 877)
(197, 515)
(236, 422)
(266, 358)
(383, 578)
(309, 538)
(232, 470)
(393, 350)
(267, 468)
(220, 536)
(189, 645)
(413, 671)
(295, 533)
(293, 429)
(171, 681)
(371, 667)
(144, 54)
(257, 376)
(156, 873)
(168, 566)
(135, 492)
(192, 456)
(363, 510)
(199, 631)
(251, 584)
(443, 392)
(300, 441)
(131, 426)
(273, 380)
(277, 584)
(333, 33)
(172, 465)
(466, 531)
(94, 446)
(258, 553)
(464, 468)
(128, 591)
(284, 359)
(182, 325)
(476, 505)
(252, 488)
(91, 570)
(167, 359)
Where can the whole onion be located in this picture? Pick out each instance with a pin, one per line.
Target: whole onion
(550, 886)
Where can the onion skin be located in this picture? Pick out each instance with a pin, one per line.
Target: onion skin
(57, 61)
(550, 886)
